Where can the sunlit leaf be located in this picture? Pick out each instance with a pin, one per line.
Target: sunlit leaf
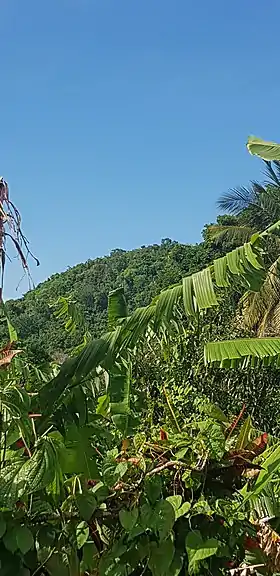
(266, 150)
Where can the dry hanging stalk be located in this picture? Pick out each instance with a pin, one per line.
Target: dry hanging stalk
(10, 227)
(270, 544)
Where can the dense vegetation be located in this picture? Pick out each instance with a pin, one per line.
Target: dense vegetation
(119, 461)
(143, 273)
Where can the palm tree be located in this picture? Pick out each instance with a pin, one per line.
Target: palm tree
(254, 208)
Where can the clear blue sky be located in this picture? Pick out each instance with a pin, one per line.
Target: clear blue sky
(122, 121)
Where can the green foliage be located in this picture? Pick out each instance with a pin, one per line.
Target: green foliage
(143, 273)
(116, 462)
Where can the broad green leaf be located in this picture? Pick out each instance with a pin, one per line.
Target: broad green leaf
(188, 296)
(119, 391)
(12, 332)
(117, 307)
(86, 504)
(136, 325)
(221, 272)
(153, 487)
(146, 516)
(163, 519)
(181, 453)
(176, 564)
(39, 470)
(82, 534)
(175, 501)
(12, 483)
(90, 557)
(103, 405)
(214, 438)
(10, 539)
(78, 405)
(71, 373)
(139, 441)
(121, 469)
(161, 556)
(128, 518)
(2, 526)
(199, 549)
(204, 289)
(24, 539)
(214, 411)
(184, 509)
(244, 434)
(269, 467)
(234, 262)
(262, 349)
(109, 567)
(179, 508)
(56, 566)
(100, 492)
(252, 258)
(66, 308)
(165, 304)
(79, 457)
(267, 150)
(109, 476)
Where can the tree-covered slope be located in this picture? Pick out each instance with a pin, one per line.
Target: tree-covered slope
(143, 273)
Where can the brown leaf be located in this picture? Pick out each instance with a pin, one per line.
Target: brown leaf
(8, 358)
(163, 435)
(6, 348)
(259, 444)
(125, 444)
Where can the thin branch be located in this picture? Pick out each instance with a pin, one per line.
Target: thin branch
(44, 563)
(167, 465)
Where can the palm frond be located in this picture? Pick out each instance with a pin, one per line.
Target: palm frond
(272, 171)
(261, 310)
(232, 234)
(237, 199)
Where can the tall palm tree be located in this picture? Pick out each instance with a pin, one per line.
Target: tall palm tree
(255, 208)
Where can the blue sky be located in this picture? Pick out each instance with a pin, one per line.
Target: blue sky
(122, 121)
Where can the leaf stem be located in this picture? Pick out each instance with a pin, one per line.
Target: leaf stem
(171, 409)
(43, 563)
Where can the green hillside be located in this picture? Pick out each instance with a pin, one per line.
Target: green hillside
(143, 273)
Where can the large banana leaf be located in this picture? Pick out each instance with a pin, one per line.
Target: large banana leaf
(119, 390)
(267, 150)
(270, 465)
(119, 379)
(198, 291)
(117, 307)
(233, 353)
(72, 372)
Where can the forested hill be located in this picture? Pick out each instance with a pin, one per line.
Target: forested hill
(143, 273)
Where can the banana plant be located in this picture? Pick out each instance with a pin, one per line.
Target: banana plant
(196, 293)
